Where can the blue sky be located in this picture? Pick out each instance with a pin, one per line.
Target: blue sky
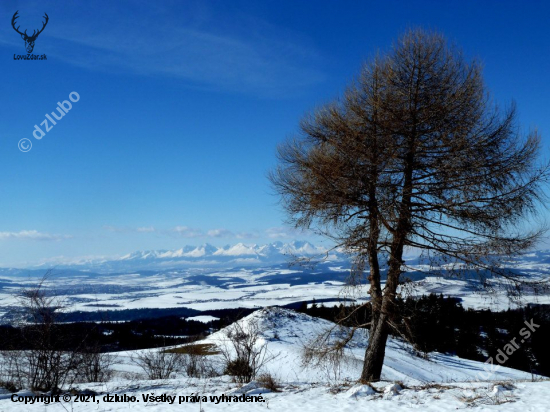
(182, 104)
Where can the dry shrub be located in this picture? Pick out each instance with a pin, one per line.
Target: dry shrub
(158, 364)
(269, 382)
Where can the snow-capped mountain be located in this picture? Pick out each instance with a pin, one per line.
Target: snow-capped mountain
(205, 255)
(240, 255)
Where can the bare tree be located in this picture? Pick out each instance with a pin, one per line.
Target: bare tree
(45, 355)
(92, 365)
(45, 363)
(243, 350)
(414, 155)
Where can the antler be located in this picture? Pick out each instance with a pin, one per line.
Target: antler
(34, 33)
(15, 16)
(43, 27)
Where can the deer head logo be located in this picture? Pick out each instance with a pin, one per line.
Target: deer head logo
(29, 40)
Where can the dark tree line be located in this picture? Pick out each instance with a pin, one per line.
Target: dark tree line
(436, 323)
(117, 336)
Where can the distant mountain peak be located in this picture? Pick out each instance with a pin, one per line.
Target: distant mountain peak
(204, 255)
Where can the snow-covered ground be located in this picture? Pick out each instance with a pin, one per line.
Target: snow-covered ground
(439, 383)
(519, 396)
(251, 287)
(286, 332)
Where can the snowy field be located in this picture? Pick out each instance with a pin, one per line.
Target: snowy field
(439, 383)
(204, 289)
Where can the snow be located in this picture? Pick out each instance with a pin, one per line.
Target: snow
(409, 382)
(230, 277)
(192, 256)
(248, 287)
(361, 391)
(440, 383)
(286, 333)
(203, 318)
(528, 397)
(239, 249)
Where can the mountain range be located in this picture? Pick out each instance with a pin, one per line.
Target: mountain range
(240, 255)
(206, 255)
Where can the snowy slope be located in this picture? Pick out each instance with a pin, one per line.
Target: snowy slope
(443, 383)
(286, 331)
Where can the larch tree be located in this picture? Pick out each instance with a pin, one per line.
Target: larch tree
(414, 155)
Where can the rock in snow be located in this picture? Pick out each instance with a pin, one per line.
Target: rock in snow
(360, 391)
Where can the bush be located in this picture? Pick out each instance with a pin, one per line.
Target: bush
(244, 351)
(195, 359)
(94, 366)
(158, 364)
(239, 368)
(10, 386)
(269, 382)
(198, 366)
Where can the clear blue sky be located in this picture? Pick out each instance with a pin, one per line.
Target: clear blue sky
(182, 104)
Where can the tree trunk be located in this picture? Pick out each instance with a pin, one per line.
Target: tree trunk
(385, 309)
(383, 312)
(376, 351)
